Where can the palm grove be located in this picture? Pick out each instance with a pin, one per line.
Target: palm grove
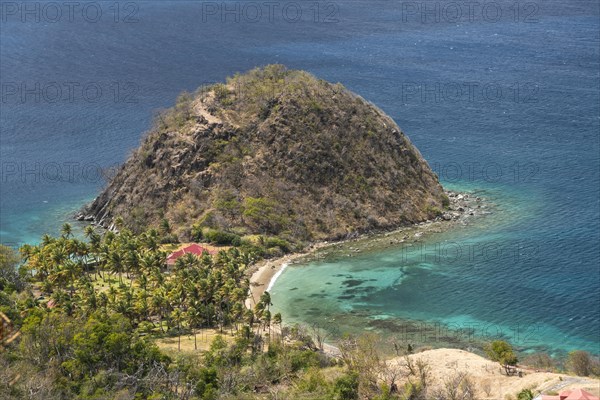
(86, 307)
(90, 313)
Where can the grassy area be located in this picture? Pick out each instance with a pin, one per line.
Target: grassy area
(109, 280)
(204, 338)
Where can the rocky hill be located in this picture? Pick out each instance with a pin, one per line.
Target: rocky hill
(273, 152)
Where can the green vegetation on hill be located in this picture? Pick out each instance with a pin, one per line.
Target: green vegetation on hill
(90, 314)
(105, 318)
(273, 152)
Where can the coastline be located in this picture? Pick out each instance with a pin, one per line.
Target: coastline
(266, 271)
(463, 208)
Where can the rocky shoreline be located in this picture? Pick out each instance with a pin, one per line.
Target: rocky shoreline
(464, 208)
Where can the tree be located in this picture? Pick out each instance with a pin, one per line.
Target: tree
(96, 332)
(319, 335)
(9, 260)
(195, 317)
(264, 215)
(502, 352)
(66, 230)
(265, 299)
(525, 394)
(165, 227)
(346, 387)
(540, 361)
(581, 363)
(116, 264)
(277, 320)
(178, 318)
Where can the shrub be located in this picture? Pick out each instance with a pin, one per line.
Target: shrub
(221, 91)
(525, 394)
(414, 391)
(433, 210)
(208, 221)
(221, 237)
(207, 383)
(302, 359)
(169, 239)
(249, 247)
(445, 201)
(264, 215)
(277, 242)
(501, 352)
(346, 387)
(273, 252)
(228, 204)
(196, 233)
(312, 381)
(540, 361)
(581, 363)
(386, 393)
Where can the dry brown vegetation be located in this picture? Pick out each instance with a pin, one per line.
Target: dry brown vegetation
(488, 379)
(277, 153)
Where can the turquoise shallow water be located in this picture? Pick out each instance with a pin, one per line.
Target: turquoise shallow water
(528, 137)
(473, 283)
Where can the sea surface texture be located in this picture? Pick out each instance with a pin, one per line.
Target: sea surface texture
(502, 99)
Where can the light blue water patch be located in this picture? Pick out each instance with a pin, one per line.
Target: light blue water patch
(535, 149)
(480, 278)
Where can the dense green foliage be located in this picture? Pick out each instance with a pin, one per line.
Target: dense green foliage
(91, 308)
(526, 394)
(90, 314)
(503, 353)
(93, 317)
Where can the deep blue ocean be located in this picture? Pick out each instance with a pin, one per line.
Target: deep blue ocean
(501, 98)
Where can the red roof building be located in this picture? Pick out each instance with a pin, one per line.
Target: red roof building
(191, 249)
(577, 394)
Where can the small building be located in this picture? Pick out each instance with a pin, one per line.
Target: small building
(577, 394)
(193, 248)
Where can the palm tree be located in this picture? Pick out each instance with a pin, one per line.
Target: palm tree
(47, 239)
(66, 230)
(116, 264)
(267, 322)
(88, 298)
(277, 321)
(88, 231)
(119, 223)
(103, 301)
(141, 305)
(150, 239)
(178, 318)
(157, 306)
(265, 299)
(132, 265)
(195, 318)
(72, 270)
(259, 310)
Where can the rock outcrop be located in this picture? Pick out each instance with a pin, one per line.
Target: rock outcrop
(274, 152)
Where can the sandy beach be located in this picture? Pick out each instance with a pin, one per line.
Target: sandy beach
(464, 207)
(266, 270)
